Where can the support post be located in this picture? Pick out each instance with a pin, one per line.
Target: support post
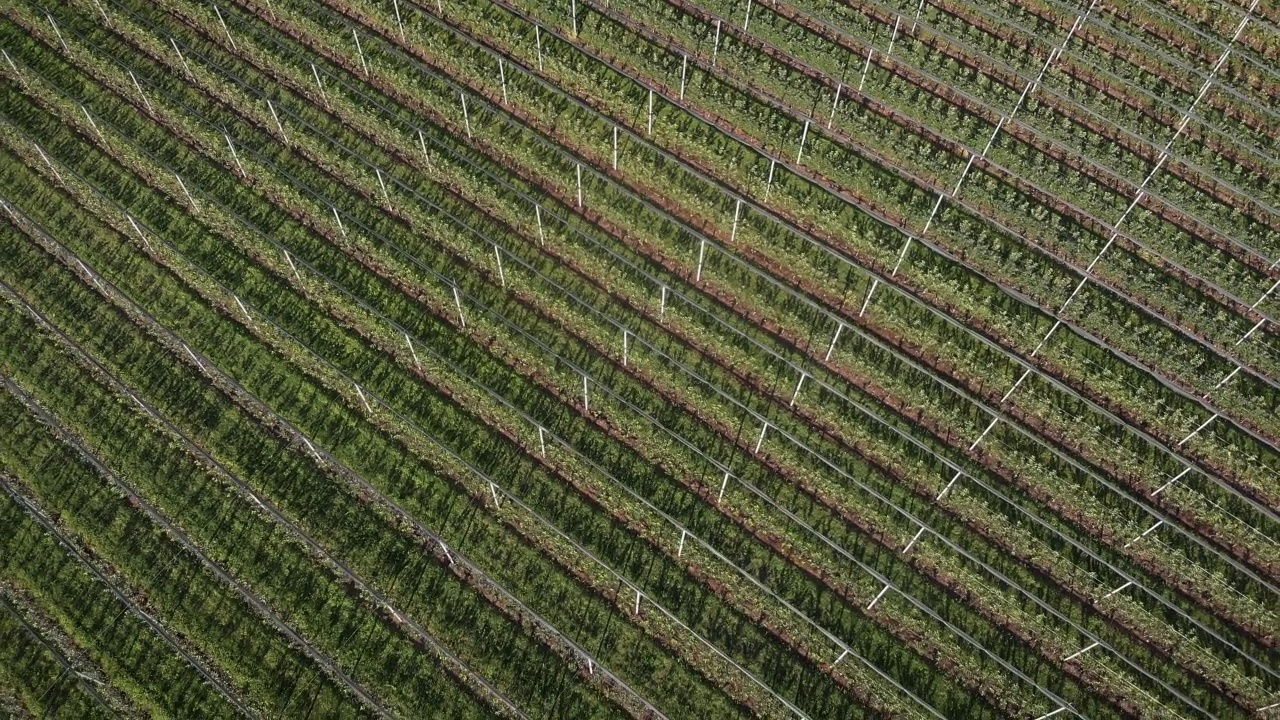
(746, 19)
(917, 17)
(1015, 385)
(684, 71)
(573, 12)
(804, 135)
(23, 80)
(497, 255)
(834, 105)
(416, 363)
(312, 448)
(537, 38)
(615, 147)
(185, 66)
(715, 47)
(466, 116)
(1195, 432)
(234, 155)
(994, 420)
(637, 601)
(363, 63)
(493, 490)
(341, 227)
(579, 173)
(52, 169)
(680, 550)
(502, 77)
(422, 142)
(279, 125)
(457, 300)
(915, 539)
(870, 292)
(662, 308)
(323, 95)
(542, 238)
(148, 244)
(105, 19)
(843, 655)
(702, 251)
(1145, 533)
(865, 68)
(650, 110)
(894, 39)
(760, 440)
(947, 489)
(1113, 592)
(399, 23)
(586, 399)
(542, 441)
(723, 484)
(799, 384)
(194, 207)
(225, 30)
(363, 399)
(737, 212)
(445, 548)
(1078, 653)
(1171, 481)
(386, 197)
(58, 32)
(834, 339)
(901, 255)
(878, 596)
(243, 309)
(768, 184)
(150, 110)
(625, 346)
